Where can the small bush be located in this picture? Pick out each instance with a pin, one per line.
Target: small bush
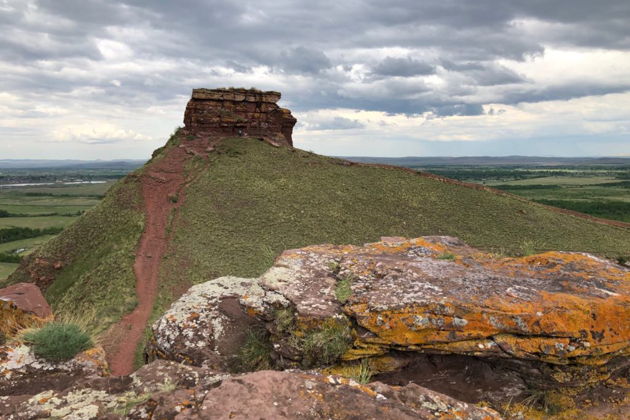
(325, 345)
(528, 248)
(255, 354)
(58, 341)
(343, 290)
(364, 372)
(446, 256)
(284, 319)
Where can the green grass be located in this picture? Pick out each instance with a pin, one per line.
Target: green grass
(58, 341)
(97, 252)
(325, 345)
(343, 289)
(36, 222)
(6, 269)
(364, 372)
(255, 353)
(27, 244)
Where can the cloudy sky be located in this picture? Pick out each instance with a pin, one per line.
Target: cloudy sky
(110, 79)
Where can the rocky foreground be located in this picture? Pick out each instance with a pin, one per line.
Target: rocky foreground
(403, 328)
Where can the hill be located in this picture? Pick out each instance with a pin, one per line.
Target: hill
(542, 161)
(216, 201)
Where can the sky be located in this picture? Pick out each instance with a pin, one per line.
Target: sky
(109, 79)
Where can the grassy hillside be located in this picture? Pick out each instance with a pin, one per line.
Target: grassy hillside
(252, 201)
(249, 201)
(96, 280)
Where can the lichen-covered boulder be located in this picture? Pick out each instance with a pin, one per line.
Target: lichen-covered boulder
(436, 294)
(168, 390)
(209, 323)
(22, 372)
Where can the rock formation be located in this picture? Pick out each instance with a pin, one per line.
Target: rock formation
(239, 113)
(549, 322)
(167, 390)
(22, 305)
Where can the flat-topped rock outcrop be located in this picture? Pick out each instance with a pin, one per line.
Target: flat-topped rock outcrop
(239, 113)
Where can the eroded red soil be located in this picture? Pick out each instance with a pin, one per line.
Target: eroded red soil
(163, 186)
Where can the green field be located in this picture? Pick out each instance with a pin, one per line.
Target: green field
(601, 191)
(28, 245)
(6, 269)
(42, 207)
(36, 222)
(604, 197)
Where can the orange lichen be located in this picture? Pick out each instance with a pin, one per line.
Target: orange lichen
(13, 319)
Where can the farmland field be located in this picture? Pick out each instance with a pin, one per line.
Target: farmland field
(40, 209)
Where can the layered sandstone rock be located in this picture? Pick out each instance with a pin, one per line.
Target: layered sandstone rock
(239, 113)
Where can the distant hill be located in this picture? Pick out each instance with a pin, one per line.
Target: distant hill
(70, 164)
(416, 161)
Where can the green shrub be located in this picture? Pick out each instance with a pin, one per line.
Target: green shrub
(343, 289)
(284, 320)
(58, 341)
(325, 345)
(7, 257)
(364, 372)
(446, 256)
(16, 233)
(255, 353)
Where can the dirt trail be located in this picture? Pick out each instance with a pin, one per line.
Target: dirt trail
(163, 181)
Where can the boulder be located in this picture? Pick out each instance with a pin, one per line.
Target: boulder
(22, 305)
(300, 395)
(435, 294)
(28, 298)
(167, 390)
(209, 323)
(22, 372)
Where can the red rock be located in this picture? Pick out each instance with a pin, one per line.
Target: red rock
(28, 298)
(239, 113)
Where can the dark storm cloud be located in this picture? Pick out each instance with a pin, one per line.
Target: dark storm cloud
(392, 66)
(318, 46)
(303, 60)
(485, 74)
(336, 123)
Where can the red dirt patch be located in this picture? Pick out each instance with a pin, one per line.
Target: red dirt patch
(162, 186)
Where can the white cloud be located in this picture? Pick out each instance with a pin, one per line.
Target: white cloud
(96, 132)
